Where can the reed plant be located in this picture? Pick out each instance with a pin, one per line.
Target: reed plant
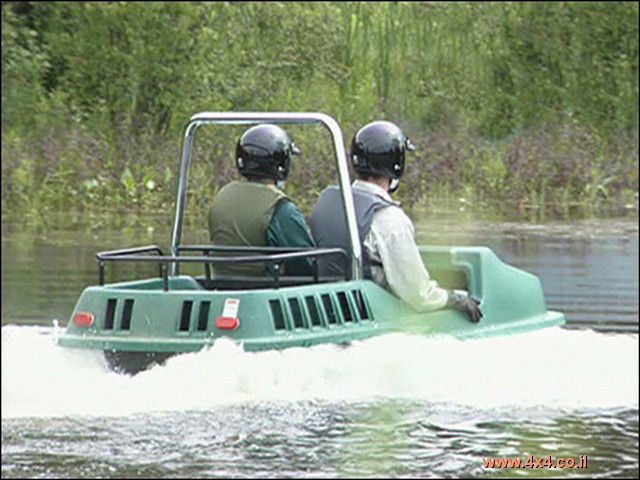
(514, 106)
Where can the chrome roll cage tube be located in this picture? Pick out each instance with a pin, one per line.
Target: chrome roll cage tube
(205, 118)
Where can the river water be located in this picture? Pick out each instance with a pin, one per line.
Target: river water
(392, 406)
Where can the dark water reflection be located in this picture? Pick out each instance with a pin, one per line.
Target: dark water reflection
(593, 280)
(588, 270)
(44, 270)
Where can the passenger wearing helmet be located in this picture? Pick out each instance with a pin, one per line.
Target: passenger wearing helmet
(254, 211)
(390, 255)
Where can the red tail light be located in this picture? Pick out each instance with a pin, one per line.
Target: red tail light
(82, 319)
(225, 323)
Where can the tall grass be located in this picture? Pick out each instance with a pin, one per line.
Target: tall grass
(514, 106)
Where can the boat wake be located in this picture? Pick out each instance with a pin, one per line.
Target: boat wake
(552, 368)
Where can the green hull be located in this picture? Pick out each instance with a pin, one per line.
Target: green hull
(137, 323)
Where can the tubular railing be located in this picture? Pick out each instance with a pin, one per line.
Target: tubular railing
(273, 257)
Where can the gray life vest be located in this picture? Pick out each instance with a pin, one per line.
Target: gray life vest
(329, 227)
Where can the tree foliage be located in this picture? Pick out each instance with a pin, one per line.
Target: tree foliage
(93, 89)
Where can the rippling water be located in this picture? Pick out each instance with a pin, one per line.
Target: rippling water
(396, 405)
(315, 439)
(391, 406)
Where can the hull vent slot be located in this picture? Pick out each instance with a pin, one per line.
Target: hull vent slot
(110, 313)
(296, 313)
(185, 318)
(329, 309)
(125, 319)
(203, 316)
(312, 308)
(344, 307)
(361, 305)
(277, 314)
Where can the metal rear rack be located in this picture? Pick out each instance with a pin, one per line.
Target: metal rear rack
(273, 257)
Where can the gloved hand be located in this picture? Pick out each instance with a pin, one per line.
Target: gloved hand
(465, 304)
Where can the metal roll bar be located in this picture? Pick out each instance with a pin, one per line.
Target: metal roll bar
(205, 118)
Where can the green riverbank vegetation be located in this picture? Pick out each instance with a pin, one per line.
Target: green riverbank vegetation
(517, 108)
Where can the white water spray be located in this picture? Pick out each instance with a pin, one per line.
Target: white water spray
(552, 367)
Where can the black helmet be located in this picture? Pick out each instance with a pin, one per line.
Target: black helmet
(265, 151)
(378, 148)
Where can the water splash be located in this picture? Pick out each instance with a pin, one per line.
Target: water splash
(552, 367)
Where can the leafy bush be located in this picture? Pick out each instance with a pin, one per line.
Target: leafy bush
(511, 103)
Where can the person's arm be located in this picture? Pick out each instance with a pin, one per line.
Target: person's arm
(287, 228)
(391, 240)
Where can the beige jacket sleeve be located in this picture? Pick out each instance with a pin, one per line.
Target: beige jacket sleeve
(390, 241)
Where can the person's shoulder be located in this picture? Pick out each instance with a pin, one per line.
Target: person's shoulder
(286, 206)
(288, 219)
(229, 186)
(393, 211)
(329, 190)
(391, 218)
(225, 191)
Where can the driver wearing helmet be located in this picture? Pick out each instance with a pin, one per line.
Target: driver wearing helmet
(254, 211)
(390, 255)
